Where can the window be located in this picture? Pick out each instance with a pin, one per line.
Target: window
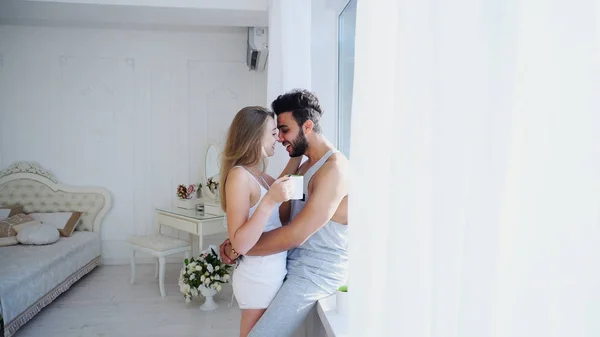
(346, 29)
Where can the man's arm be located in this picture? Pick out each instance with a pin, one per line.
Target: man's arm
(285, 212)
(328, 190)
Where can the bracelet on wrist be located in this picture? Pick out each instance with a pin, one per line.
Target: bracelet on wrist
(233, 251)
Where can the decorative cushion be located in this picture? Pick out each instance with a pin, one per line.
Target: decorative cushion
(17, 228)
(65, 222)
(8, 211)
(38, 234)
(8, 241)
(6, 226)
(157, 242)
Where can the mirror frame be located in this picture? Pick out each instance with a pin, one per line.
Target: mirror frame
(206, 190)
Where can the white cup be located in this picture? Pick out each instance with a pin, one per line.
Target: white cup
(341, 303)
(298, 192)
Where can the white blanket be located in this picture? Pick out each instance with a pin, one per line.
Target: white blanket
(28, 272)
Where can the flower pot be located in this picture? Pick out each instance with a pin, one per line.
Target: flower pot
(209, 303)
(341, 300)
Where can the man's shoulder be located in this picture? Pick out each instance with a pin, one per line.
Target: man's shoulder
(337, 162)
(338, 158)
(336, 165)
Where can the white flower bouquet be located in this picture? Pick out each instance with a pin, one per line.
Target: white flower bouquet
(204, 273)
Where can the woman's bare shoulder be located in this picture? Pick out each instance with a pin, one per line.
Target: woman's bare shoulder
(237, 175)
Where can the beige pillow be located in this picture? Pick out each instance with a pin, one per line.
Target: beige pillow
(7, 226)
(8, 241)
(65, 222)
(17, 228)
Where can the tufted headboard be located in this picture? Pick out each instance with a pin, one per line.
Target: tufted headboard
(37, 190)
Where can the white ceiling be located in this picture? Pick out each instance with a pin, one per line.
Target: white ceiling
(143, 14)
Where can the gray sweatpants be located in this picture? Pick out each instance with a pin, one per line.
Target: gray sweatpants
(289, 308)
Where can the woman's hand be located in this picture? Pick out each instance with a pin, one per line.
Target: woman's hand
(281, 190)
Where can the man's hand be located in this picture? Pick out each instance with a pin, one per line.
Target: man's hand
(226, 252)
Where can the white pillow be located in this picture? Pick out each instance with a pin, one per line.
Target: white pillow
(4, 212)
(58, 219)
(65, 222)
(37, 234)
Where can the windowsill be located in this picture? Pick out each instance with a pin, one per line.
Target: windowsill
(335, 325)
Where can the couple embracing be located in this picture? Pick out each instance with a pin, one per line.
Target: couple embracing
(289, 253)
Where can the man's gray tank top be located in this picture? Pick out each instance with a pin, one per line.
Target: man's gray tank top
(323, 258)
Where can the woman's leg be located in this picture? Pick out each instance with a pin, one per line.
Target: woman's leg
(249, 319)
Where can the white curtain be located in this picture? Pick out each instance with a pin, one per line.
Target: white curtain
(475, 192)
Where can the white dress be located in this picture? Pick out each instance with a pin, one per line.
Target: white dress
(257, 279)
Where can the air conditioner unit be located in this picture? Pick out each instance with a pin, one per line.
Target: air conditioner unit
(258, 48)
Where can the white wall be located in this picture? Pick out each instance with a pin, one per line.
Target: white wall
(323, 68)
(128, 110)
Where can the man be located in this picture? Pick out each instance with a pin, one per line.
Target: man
(316, 237)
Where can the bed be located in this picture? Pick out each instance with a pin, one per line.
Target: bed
(31, 276)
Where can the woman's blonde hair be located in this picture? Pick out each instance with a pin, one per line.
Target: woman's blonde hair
(244, 143)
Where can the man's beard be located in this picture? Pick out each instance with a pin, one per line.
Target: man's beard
(299, 145)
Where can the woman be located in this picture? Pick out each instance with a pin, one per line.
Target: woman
(244, 188)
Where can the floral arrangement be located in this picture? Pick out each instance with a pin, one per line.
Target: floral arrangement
(184, 192)
(208, 271)
(212, 185)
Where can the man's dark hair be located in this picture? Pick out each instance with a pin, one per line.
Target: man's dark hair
(303, 104)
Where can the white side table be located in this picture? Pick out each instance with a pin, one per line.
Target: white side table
(193, 222)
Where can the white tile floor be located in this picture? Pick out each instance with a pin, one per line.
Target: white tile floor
(103, 303)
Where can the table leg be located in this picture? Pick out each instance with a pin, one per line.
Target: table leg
(196, 245)
(200, 245)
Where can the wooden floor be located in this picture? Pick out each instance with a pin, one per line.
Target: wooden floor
(103, 303)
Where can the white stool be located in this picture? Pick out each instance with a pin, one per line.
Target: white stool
(159, 246)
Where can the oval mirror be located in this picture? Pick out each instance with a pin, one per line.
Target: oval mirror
(211, 163)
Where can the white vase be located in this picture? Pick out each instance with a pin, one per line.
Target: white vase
(209, 303)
